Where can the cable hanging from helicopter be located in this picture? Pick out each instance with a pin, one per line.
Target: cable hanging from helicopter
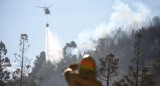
(47, 12)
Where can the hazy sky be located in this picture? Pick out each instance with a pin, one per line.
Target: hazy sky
(69, 19)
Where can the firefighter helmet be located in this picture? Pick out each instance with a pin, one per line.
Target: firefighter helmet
(87, 67)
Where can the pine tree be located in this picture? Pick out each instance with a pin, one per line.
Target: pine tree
(128, 79)
(138, 74)
(146, 78)
(22, 60)
(108, 68)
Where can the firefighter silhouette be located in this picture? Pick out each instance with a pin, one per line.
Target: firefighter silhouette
(86, 75)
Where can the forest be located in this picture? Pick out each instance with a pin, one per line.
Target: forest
(134, 60)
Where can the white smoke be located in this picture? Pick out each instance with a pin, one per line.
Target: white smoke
(52, 48)
(122, 16)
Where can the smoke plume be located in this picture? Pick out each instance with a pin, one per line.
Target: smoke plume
(123, 16)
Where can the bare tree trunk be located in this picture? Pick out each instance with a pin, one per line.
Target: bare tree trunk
(137, 71)
(108, 76)
(22, 65)
(0, 67)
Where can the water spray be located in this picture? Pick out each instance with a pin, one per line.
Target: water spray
(53, 49)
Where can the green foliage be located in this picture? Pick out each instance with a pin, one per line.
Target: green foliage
(38, 63)
(154, 67)
(4, 62)
(146, 78)
(139, 54)
(128, 79)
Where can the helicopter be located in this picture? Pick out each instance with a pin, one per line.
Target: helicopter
(46, 9)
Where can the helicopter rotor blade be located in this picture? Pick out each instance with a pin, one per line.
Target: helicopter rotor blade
(50, 6)
(39, 7)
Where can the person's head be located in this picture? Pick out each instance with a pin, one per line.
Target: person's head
(87, 67)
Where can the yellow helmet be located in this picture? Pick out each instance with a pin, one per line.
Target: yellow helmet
(87, 67)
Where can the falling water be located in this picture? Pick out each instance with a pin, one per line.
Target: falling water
(52, 48)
